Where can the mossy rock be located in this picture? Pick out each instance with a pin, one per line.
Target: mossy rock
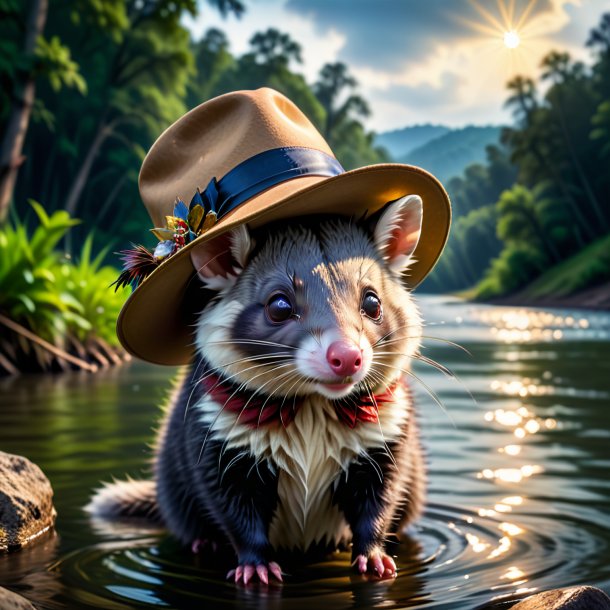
(26, 502)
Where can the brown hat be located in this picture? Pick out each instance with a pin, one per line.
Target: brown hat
(262, 160)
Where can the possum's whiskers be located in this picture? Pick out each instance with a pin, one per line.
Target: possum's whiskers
(251, 342)
(254, 393)
(216, 369)
(438, 366)
(257, 391)
(239, 388)
(428, 389)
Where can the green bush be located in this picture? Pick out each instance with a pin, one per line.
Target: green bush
(28, 264)
(89, 284)
(68, 304)
(514, 268)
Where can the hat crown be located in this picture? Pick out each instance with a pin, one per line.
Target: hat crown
(215, 137)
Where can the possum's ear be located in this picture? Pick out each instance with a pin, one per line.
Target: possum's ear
(397, 231)
(219, 261)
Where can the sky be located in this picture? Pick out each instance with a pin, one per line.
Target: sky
(421, 61)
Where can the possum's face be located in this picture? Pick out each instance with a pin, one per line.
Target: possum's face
(313, 308)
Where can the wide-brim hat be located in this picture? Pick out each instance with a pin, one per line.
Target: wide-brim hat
(258, 159)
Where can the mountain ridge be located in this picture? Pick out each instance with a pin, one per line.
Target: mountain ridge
(443, 151)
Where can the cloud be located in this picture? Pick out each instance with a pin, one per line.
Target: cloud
(418, 61)
(390, 33)
(444, 60)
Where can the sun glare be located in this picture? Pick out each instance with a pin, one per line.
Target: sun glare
(511, 39)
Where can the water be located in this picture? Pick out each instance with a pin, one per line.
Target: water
(519, 493)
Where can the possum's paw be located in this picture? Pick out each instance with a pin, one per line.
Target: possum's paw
(246, 573)
(376, 563)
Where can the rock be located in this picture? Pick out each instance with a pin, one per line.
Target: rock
(12, 601)
(571, 598)
(26, 502)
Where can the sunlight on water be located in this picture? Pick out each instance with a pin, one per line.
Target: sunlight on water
(518, 491)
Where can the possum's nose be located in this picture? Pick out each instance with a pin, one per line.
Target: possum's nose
(344, 358)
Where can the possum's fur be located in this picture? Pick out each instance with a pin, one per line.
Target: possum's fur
(313, 483)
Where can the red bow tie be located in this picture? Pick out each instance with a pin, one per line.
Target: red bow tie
(259, 410)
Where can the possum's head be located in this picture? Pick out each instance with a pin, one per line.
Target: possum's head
(309, 307)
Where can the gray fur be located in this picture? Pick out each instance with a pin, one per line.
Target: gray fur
(208, 464)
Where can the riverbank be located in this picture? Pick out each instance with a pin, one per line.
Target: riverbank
(581, 281)
(596, 298)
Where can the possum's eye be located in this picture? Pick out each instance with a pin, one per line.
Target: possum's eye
(279, 308)
(371, 306)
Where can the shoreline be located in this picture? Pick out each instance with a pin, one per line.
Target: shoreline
(597, 299)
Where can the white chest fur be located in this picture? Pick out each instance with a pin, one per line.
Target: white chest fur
(309, 453)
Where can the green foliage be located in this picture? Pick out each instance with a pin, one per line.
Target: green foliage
(128, 69)
(89, 283)
(353, 146)
(27, 275)
(601, 131)
(48, 294)
(559, 147)
(473, 242)
(56, 63)
(516, 266)
(590, 267)
(275, 49)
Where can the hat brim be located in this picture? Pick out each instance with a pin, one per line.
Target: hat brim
(155, 324)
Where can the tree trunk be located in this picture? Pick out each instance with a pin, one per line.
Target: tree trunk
(114, 193)
(19, 118)
(78, 185)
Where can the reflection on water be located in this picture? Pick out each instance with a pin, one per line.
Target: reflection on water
(519, 496)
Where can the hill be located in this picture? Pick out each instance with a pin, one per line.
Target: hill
(402, 141)
(449, 154)
(582, 280)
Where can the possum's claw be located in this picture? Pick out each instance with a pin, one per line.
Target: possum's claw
(245, 573)
(376, 563)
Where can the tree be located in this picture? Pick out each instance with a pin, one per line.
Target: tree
(522, 98)
(134, 57)
(41, 60)
(212, 62)
(534, 146)
(558, 68)
(332, 85)
(268, 64)
(599, 37)
(22, 103)
(153, 56)
(520, 222)
(275, 49)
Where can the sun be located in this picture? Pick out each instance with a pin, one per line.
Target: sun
(511, 39)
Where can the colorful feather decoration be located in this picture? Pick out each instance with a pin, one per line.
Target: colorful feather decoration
(185, 225)
(138, 263)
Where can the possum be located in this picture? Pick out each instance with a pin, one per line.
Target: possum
(293, 428)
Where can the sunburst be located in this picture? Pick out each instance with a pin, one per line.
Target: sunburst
(512, 39)
(504, 25)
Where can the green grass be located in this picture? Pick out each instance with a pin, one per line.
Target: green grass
(586, 269)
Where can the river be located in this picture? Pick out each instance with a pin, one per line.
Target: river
(519, 487)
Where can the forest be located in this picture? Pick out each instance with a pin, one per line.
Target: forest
(536, 216)
(87, 86)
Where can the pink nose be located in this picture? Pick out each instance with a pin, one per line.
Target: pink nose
(344, 358)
